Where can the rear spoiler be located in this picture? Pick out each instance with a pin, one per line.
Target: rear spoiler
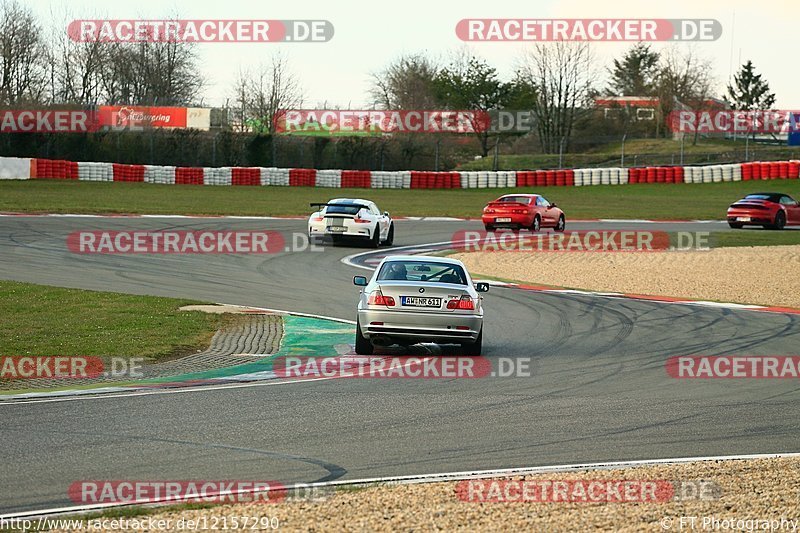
(360, 206)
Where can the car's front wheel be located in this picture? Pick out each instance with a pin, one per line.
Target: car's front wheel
(363, 346)
(473, 348)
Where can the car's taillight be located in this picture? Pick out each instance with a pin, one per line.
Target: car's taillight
(489, 210)
(377, 298)
(519, 211)
(465, 302)
(317, 219)
(361, 221)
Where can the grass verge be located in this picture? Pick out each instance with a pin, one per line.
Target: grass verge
(653, 201)
(43, 321)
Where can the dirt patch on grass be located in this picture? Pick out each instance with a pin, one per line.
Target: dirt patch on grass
(761, 275)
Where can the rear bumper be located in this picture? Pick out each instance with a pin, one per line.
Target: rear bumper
(757, 218)
(420, 327)
(516, 220)
(320, 230)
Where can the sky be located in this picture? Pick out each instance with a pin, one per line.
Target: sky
(368, 35)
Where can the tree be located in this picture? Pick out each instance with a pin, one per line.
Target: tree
(469, 83)
(22, 53)
(406, 83)
(75, 69)
(261, 95)
(561, 75)
(636, 73)
(151, 73)
(749, 91)
(684, 79)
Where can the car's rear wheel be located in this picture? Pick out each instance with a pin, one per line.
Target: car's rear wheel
(561, 224)
(375, 241)
(488, 227)
(473, 348)
(536, 225)
(780, 220)
(363, 346)
(390, 237)
(736, 225)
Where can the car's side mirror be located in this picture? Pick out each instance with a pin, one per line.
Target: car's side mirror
(386, 213)
(553, 205)
(361, 281)
(482, 287)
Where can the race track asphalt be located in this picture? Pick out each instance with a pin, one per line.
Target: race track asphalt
(598, 389)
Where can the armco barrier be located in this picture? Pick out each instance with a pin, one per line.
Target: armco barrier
(24, 168)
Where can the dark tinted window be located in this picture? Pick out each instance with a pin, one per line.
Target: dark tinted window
(422, 271)
(342, 209)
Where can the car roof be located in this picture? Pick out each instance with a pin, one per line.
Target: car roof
(349, 200)
(428, 258)
(521, 194)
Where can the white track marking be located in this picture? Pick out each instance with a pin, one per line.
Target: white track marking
(433, 478)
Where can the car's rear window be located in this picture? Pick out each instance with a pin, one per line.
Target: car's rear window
(516, 199)
(342, 210)
(422, 271)
(770, 197)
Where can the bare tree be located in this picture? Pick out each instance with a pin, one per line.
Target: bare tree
(151, 73)
(22, 55)
(74, 69)
(684, 79)
(261, 95)
(560, 74)
(406, 83)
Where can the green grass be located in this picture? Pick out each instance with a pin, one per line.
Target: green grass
(637, 151)
(46, 321)
(754, 237)
(653, 201)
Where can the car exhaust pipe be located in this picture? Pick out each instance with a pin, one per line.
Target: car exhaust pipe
(380, 340)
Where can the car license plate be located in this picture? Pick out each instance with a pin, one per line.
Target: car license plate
(743, 219)
(339, 229)
(417, 301)
(504, 219)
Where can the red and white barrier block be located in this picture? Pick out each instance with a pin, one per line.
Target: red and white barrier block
(24, 168)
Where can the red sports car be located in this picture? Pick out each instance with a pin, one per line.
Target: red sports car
(519, 211)
(772, 210)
